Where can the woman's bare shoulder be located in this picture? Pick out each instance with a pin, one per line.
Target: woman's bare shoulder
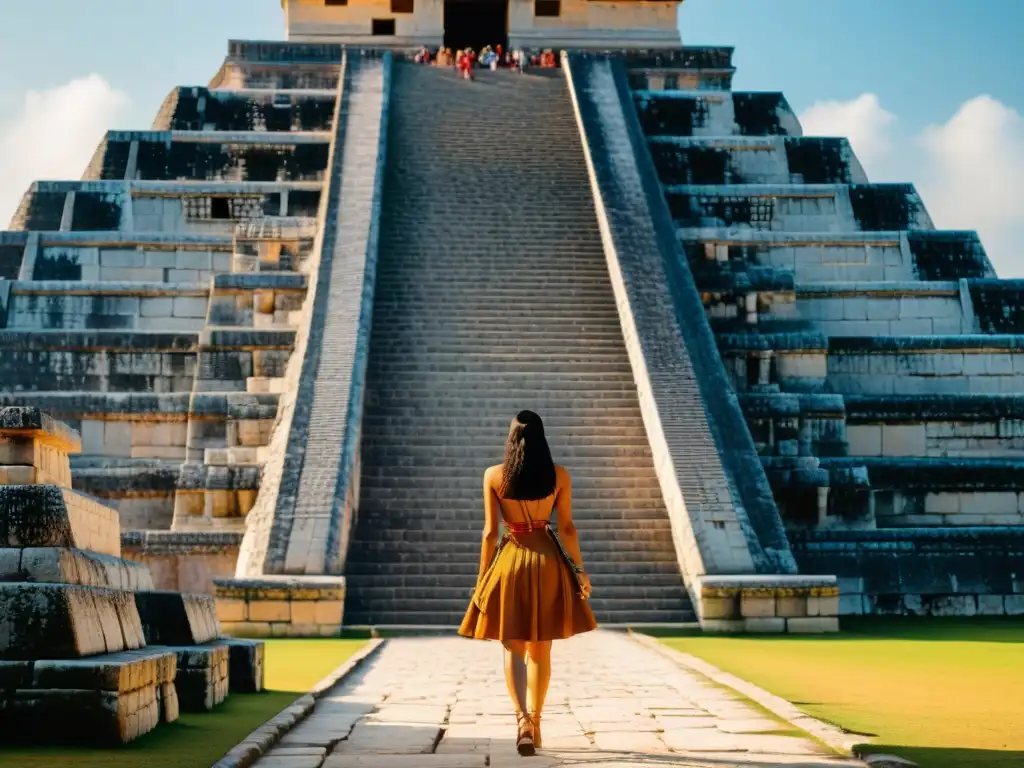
(492, 474)
(562, 476)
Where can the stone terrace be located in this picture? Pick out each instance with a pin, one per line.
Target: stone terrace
(154, 306)
(877, 359)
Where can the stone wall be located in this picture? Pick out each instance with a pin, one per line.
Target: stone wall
(202, 109)
(714, 114)
(84, 305)
(921, 572)
(210, 208)
(202, 155)
(183, 562)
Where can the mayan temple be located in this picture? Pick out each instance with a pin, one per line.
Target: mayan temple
(292, 320)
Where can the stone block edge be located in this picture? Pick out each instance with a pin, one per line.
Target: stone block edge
(259, 742)
(832, 736)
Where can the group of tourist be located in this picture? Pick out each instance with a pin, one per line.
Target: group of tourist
(488, 57)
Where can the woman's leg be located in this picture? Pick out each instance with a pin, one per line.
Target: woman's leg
(516, 674)
(538, 675)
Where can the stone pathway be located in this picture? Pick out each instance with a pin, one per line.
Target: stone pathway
(440, 702)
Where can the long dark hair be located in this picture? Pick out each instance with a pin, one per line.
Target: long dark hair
(528, 472)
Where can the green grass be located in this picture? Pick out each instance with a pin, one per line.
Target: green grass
(293, 667)
(945, 693)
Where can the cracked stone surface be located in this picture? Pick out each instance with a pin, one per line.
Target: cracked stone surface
(440, 702)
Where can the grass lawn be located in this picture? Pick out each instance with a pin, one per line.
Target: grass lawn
(199, 740)
(945, 693)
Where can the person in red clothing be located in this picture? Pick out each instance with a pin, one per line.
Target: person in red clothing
(466, 64)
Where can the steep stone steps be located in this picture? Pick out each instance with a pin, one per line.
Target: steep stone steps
(492, 295)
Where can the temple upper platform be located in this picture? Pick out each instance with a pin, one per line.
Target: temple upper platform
(529, 24)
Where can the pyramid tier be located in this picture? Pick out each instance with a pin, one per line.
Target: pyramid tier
(107, 699)
(60, 565)
(174, 618)
(50, 516)
(66, 621)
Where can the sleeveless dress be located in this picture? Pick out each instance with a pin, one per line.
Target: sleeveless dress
(530, 591)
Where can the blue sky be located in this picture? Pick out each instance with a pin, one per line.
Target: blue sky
(901, 77)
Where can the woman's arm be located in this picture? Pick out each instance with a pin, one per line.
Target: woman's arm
(567, 528)
(563, 507)
(491, 517)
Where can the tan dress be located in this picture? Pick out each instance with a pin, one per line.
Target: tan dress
(529, 592)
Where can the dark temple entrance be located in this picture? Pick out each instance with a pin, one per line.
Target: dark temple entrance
(475, 23)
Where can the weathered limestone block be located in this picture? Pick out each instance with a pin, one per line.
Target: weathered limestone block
(121, 672)
(201, 682)
(246, 664)
(58, 565)
(167, 699)
(65, 621)
(103, 700)
(281, 606)
(173, 618)
(777, 603)
(50, 516)
(34, 448)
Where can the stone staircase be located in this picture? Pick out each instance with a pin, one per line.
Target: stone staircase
(493, 296)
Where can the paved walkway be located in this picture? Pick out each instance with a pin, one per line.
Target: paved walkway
(441, 703)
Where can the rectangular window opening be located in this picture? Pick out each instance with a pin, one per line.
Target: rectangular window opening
(402, 6)
(220, 208)
(547, 8)
(383, 27)
(335, 2)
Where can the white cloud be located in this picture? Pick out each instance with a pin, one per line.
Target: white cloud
(973, 178)
(54, 136)
(969, 170)
(862, 120)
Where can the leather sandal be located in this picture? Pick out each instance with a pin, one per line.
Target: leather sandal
(535, 718)
(525, 735)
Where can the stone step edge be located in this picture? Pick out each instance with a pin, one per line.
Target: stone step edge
(260, 741)
(832, 736)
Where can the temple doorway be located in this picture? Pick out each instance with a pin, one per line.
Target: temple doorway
(475, 23)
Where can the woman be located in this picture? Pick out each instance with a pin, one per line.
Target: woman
(531, 588)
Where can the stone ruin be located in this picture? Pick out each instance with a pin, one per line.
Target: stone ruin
(784, 395)
(90, 652)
